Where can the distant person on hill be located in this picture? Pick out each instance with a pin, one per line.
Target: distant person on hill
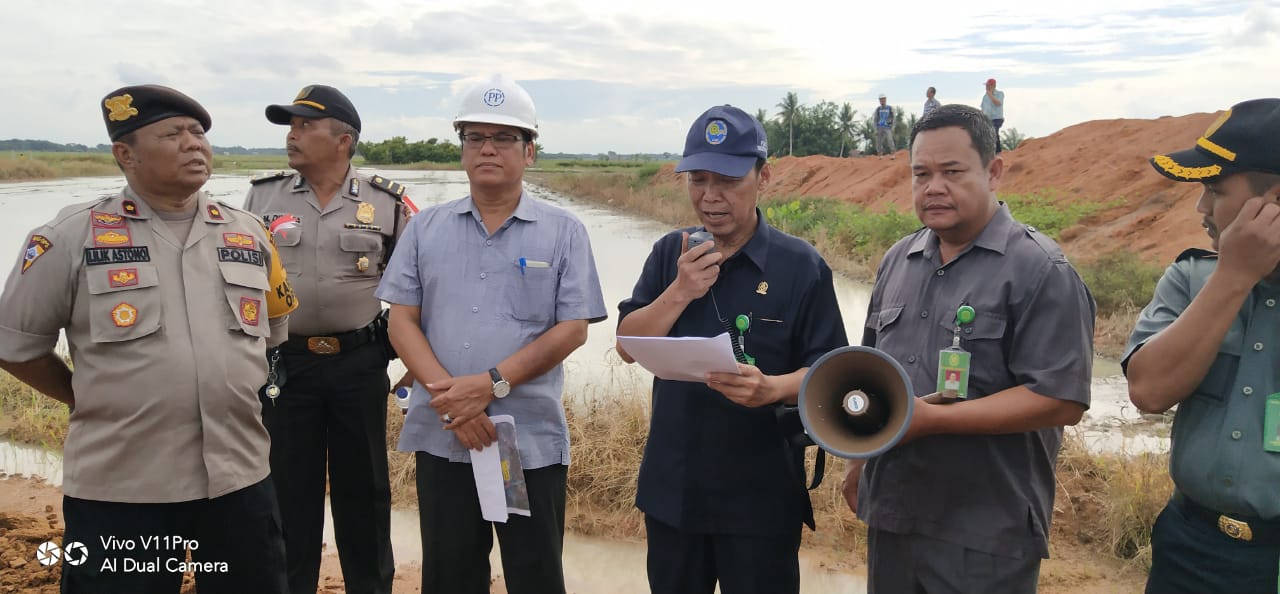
(1208, 343)
(883, 116)
(930, 103)
(489, 294)
(964, 502)
(722, 494)
(336, 229)
(993, 108)
(169, 300)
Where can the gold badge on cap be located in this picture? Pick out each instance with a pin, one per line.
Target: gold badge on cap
(762, 288)
(362, 264)
(121, 107)
(364, 212)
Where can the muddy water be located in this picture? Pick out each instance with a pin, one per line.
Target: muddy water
(620, 244)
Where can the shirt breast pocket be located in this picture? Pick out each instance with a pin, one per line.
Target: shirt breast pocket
(882, 321)
(124, 302)
(246, 287)
(532, 294)
(357, 245)
(983, 338)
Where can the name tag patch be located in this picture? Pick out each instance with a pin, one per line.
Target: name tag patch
(97, 256)
(241, 255)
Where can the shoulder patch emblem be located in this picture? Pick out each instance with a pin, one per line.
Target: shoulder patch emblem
(266, 177)
(38, 245)
(215, 213)
(130, 208)
(124, 315)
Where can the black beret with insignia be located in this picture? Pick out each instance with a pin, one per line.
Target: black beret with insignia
(316, 101)
(128, 108)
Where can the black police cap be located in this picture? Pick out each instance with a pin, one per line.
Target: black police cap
(316, 101)
(1244, 138)
(128, 108)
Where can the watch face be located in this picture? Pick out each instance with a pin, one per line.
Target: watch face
(501, 389)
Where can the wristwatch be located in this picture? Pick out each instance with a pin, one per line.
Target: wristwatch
(500, 386)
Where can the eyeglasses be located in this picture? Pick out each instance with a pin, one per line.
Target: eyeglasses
(500, 140)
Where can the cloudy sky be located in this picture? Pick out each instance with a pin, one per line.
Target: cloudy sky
(630, 76)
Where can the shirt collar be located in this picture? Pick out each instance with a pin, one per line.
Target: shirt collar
(994, 236)
(757, 248)
(526, 209)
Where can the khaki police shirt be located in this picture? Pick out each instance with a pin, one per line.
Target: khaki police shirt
(167, 341)
(334, 254)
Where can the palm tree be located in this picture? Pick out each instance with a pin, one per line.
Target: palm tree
(789, 108)
(762, 115)
(847, 114)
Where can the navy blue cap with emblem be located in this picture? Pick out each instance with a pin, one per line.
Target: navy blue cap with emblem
(128, 108)
(724, 140)
(316, 101)
(1244, 138)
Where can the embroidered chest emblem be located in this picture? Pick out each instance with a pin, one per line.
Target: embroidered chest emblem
(122, 277)
(249, 309)
(364, 212)
(762, 288)
(124, 315)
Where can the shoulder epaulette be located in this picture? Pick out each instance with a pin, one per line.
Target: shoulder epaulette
(1187, 254)
(394, 188)
(266, 177)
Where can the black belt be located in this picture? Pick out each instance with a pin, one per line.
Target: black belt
(1245, 528)
(330, 345)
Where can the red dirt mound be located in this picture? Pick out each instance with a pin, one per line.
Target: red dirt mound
(1103, 161)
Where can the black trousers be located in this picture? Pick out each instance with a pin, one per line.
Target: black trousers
(333, 410)
(1188, 556)
(456, 540)
(918, 564)
(997, 124)
(690, 563)
(141, 548)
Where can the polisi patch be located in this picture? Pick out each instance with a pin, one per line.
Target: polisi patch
(240, 255)
(107, 220)
(239, 240)
(122, 277)
(124, 315)
(111, 237)
(38, 245)
(249, 310)
(717, 131)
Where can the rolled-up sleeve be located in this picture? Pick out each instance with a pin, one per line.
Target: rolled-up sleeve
(36, 303)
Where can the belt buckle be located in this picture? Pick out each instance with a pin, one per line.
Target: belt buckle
(323, 345)
(1235, 528)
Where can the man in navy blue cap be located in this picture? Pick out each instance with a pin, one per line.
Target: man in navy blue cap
(722, 492)
(1207, 343)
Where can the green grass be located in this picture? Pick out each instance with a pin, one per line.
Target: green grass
(1050, 213)
(596, 165)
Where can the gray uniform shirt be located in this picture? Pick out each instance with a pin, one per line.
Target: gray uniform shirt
(1034, 328)
(1217, 457)
(480, 305)
(167, 338)
(325, 249)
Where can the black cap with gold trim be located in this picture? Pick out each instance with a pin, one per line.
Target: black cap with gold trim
(316, 101)
(1244, 138)
(128, 108)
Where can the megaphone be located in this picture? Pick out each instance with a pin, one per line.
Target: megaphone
(856, 402)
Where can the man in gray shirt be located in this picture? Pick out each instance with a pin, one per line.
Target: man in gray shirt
(488, 296)
(963, 503)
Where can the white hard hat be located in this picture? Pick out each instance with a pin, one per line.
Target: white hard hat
(498, 100)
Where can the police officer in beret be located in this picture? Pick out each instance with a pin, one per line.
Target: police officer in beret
(1208, 343)
(335, 230)
(169, 300)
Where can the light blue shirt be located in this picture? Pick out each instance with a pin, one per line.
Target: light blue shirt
(993, 111)
(480, 305)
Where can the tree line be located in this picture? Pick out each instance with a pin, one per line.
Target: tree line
(837, 130)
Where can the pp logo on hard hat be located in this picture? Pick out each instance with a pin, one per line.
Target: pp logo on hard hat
(494, 97)
(717, 131)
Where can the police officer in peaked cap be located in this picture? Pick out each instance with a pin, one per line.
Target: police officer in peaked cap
(335, 229)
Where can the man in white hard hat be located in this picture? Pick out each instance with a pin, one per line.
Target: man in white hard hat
(488, 296)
